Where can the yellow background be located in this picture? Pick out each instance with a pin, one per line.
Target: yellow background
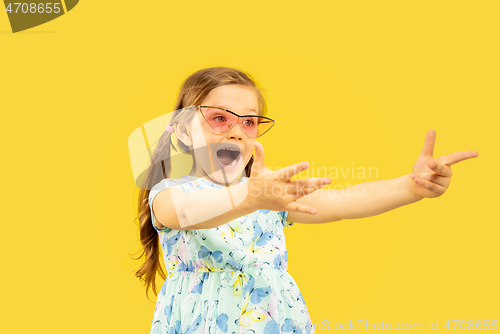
(350, 83)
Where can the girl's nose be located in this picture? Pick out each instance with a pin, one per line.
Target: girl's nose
(236, 132)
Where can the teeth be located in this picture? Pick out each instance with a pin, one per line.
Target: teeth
(232, 164)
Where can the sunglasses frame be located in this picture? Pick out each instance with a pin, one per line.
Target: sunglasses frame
(235, 114)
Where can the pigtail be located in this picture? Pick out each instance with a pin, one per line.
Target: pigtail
(151, 248)
(159, 169)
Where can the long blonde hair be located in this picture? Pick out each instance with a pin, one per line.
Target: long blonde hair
(194, 89)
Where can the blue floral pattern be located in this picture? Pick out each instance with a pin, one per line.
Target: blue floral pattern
(229, 279)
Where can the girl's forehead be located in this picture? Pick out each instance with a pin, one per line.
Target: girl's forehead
(237, 98)
(233, 93)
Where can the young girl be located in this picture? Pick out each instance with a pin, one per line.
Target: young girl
(221, 226)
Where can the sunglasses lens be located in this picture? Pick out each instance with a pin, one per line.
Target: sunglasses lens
(221, 121)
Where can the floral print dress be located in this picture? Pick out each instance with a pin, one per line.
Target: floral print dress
(229, 279)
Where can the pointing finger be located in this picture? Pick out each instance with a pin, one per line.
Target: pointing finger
(317, 182)
(288, 172)
(456, 157)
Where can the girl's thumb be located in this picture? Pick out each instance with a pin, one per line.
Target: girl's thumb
(259, 155)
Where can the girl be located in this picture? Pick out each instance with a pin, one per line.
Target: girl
(221, 226)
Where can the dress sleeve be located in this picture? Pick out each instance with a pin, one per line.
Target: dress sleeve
(162, 185)
(284, 215)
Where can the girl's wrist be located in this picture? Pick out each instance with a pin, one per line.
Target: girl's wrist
(242, 196)
(410, 185)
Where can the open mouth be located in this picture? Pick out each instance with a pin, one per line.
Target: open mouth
(228, 157)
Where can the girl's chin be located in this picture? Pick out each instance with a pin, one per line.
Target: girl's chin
(226, 177)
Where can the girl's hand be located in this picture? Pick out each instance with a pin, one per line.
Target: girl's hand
(431, 177)
(273, 190)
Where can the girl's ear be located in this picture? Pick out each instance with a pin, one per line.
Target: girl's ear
(182, 133)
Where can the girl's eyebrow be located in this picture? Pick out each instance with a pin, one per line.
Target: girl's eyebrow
(223, 107)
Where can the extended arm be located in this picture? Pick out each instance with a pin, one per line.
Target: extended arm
(358, 201)
(430, 178)
(203, 209)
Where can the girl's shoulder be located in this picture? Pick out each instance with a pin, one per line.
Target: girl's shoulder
(188, 183)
